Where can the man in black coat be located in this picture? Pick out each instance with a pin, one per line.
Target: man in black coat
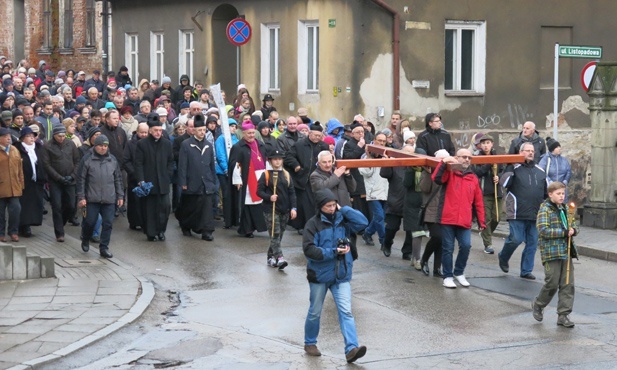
(60, 161)
(301, 161)
(197, 180)
(154, 163)
(133, 207)
(435, 137)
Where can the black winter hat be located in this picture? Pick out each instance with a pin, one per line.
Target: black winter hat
(552, 144)
(323, 196)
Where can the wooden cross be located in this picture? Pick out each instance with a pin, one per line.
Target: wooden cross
(400, 158)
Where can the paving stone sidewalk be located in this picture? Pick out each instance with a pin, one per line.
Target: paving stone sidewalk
(91, 297)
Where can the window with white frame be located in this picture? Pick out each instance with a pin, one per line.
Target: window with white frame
(465, 56)
(187, 51)
(131, 54)
(157, 54)
(270, 73)
(308, 56)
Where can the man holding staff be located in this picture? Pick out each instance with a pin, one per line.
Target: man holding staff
(488, 174)
(556, 227)
(276, 189)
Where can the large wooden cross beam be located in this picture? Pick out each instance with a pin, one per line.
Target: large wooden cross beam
(400, 158)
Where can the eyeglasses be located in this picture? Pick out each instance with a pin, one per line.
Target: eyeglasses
(528, 150)
(465, 157)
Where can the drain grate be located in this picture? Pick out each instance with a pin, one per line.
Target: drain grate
(79, 263)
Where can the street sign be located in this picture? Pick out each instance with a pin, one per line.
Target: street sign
(239, 31)
(587, 74)
(589, 52)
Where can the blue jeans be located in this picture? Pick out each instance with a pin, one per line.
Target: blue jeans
(448, 234)
(521, 231)
(14, 207)
(377, 222)
(106, 211)
(97, 226)
(341, 292)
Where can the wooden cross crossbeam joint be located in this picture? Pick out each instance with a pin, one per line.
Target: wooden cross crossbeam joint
(399, 158)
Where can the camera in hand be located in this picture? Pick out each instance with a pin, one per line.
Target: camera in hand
(343, 243)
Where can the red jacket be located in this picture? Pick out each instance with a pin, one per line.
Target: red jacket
(461, 192)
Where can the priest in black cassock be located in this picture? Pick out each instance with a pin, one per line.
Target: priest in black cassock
(154, 163)
(247, 160)
(197, 181)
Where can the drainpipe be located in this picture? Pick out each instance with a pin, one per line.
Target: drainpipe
(105, 55)
(396, 83)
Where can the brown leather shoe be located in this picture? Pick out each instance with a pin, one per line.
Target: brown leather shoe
(355, 354)
(60, 239)
(312, 350)
(14, 238)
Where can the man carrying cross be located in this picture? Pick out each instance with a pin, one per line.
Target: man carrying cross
(462, 192)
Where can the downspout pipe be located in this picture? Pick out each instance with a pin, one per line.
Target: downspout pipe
(105, 55)
(396, 74)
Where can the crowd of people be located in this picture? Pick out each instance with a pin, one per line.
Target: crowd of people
(104, 146)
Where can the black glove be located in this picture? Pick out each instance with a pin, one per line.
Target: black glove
(68, 180)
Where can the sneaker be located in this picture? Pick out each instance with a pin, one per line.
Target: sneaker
(461, 280)
(312, 350)
(489, 250)
(417, 265)
(449, 283)
(368, 240)
(355, 354)
(564, 321)
(538, 312)
(282, 263)
(272, 262)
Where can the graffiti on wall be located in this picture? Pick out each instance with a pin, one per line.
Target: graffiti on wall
(489, 121)
(518, 115)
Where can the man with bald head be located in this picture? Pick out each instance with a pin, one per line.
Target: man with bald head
(529, 135)
(460, 194)
(93, 99)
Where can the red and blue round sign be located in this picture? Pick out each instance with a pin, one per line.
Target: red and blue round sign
(239, 31)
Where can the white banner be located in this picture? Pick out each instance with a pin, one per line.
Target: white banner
(218, 99)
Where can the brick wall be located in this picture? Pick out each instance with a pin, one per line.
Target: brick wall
(6, 30)
(80, 58)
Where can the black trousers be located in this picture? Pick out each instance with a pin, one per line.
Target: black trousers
(230, 215)
(133, 207)
(393, 224)
(433, 245)
(62, 199)
(155, 212)
(195, 213)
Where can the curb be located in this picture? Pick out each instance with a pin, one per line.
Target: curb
(146, 296)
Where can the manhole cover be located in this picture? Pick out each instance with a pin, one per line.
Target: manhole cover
(79, 263)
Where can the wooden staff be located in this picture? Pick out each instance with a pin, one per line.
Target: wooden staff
(496, 201)
(571, 213)
(275, 178)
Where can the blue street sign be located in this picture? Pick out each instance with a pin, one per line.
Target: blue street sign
(239, 31)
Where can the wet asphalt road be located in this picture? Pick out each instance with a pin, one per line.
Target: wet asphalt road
(219, 306)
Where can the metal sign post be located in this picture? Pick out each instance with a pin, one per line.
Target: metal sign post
(569, 51)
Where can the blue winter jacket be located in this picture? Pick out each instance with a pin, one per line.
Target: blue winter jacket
(332, 125)
(558, 170)
(319, 244)
(221, 153)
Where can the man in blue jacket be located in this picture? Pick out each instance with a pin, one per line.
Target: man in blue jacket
(326, 247)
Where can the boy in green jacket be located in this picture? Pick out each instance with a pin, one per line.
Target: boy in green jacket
(554, 230)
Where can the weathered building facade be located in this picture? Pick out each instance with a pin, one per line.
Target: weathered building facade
(486, 65)
(64, 33)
